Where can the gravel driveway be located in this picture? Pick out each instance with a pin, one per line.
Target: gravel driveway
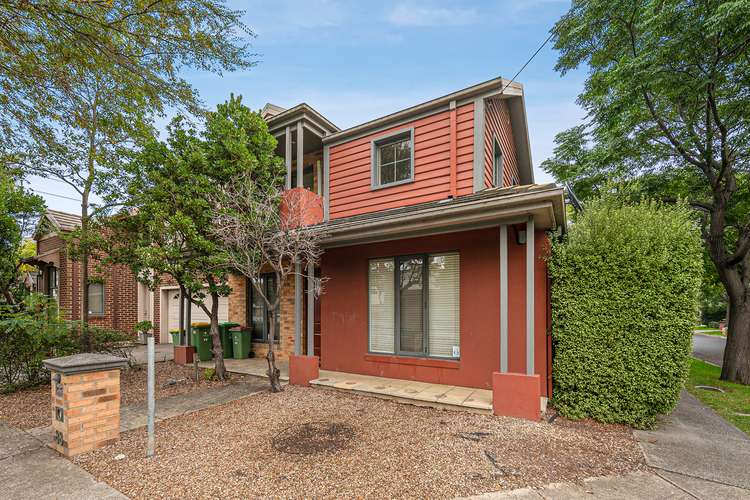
(320, 443)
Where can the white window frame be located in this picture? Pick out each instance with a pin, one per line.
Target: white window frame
(88, 291)
(383, 141)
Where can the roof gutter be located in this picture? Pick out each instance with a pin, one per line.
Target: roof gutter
(452, 216)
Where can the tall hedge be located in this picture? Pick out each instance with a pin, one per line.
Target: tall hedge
(625, 290)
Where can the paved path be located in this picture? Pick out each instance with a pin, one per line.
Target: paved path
(135, 416)
(709, 348)
(162, 352)
(29, 469)
(697, 443)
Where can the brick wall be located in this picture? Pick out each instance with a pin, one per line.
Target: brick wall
(120, 289)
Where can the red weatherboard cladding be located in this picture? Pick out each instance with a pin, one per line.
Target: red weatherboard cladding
(344, 310)
(350, 166)
(497, 124)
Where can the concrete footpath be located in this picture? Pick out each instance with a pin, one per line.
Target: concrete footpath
(635, 486)
(700, 451)
(30, 469)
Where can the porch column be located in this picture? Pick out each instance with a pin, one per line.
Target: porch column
(297, 308)
(530, 296)
(300, 154)
(503, 298)
(288, 157)
(310, 309)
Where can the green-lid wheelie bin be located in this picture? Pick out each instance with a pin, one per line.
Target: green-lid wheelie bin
(241, 342)
(202, 341)
(226, 338)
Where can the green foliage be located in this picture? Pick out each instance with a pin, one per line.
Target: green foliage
(625, 285)
(171, 194)
(33, 331)
(19, 209)
(29, 333)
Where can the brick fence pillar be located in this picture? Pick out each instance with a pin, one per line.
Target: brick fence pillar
(85, 401)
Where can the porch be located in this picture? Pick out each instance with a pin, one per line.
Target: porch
(403, 391)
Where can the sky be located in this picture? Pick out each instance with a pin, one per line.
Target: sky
(354, 61)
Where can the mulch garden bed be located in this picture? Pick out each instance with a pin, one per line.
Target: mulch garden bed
(307, 442)
(30, 408)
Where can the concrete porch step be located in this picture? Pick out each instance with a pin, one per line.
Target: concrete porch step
(408, 391)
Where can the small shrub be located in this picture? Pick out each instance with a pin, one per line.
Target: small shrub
(33, 331)
(625, 288)
(209, 374)
(30, 332)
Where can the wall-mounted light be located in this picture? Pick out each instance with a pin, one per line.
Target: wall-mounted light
(521, 236)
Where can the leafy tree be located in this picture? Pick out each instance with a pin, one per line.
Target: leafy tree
(170, 198)
(81, 82)
(19, 210)
(668, 97)
(262, 231)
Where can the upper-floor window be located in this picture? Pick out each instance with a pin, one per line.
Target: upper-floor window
(96, 299)
(393, 159)
(497, 163)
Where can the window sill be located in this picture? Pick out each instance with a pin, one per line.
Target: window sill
(376, 187)
(452, 364)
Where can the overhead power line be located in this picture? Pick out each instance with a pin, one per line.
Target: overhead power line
(54, 194)
(527, 62)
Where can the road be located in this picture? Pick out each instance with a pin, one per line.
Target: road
(709, 348)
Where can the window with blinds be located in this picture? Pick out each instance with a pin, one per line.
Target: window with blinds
(443, 305)
(382, 316)
(414, 305)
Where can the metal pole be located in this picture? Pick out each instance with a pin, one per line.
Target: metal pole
(181, 322)
(151, 397)
(189, 322)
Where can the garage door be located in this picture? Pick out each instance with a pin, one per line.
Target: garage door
(197, 314)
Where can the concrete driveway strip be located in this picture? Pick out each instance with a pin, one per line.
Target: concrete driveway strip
(709, 348)
(29, 469)
(694, 441)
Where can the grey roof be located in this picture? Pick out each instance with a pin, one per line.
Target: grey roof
(271, 110)
(494, 192)
(63, 221)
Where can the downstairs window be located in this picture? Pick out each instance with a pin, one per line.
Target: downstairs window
(414, 305)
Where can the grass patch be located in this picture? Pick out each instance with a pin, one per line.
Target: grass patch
(735, 398)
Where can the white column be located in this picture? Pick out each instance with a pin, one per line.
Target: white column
(530, 296)
(504, 298)
(310, 309)
(288, 157)
(300, 154)
(297, 309)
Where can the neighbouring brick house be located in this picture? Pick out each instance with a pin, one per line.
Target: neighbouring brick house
(113, 291)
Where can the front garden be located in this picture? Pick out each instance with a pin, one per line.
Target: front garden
(30, 408)
(316, 443)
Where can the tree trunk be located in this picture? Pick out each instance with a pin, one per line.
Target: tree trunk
(273, 373)
(218, 350)
(736, 367)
